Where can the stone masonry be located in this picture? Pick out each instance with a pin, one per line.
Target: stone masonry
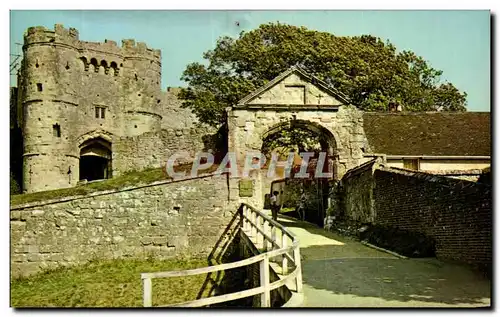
(153, 149)
(72, 93)
(296, 98)
(163, 219)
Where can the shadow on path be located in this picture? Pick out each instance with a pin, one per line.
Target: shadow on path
(341, 272)
(411, 280)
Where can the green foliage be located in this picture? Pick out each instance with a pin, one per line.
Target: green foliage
(115, 283)
(370, 72)
(291, 139)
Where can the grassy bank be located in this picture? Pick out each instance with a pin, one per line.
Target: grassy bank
(115, 283)
(129, 179)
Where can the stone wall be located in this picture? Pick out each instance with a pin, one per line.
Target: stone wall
(456, 213)
(152, 149)
(163, 219)
(174, 116)
(343, 128)
(358, 196)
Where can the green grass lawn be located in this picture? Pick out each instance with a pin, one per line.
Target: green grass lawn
(115, 283)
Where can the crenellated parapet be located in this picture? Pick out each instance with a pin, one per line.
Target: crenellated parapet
(139, 50)
(60, 36)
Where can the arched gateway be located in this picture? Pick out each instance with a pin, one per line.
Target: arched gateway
(294, 98)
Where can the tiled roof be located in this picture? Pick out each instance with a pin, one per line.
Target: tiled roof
(428, 133)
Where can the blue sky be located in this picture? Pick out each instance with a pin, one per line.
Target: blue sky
(456, 42)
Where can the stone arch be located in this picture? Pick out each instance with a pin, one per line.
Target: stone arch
(95, 65)
(84, 64)
(106, 136)
(320, 184)
(326, 135)
(95, 159)
(103, 68)
(295, 97)
(114, 69)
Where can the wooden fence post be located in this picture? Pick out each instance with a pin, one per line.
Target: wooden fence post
(252, 225)
(273, 234)
(260, 237)
(284, 259)
(268, 244)
(298, 267)
(265, 297)
(147, 292)
(244, 212)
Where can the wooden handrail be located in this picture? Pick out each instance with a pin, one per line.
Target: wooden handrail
(274, 223)
(265, 286)
(263, 233)
(268, 238)
(219, 267)
(236, 295)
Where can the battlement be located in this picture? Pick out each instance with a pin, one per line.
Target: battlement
(41, 34)
(37, 34)
(107, 46)
(130, 47)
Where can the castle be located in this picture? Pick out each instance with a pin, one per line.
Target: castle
(77, 103)
(91, 111)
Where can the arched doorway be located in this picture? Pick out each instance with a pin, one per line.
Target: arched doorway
(95, 159)
(301, 100)
(295, 138)
(306, 136)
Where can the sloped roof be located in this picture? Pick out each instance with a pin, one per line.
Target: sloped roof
(297, 70)
(429, 133)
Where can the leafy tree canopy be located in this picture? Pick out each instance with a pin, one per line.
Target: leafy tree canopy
(370, 72)
(292, 139)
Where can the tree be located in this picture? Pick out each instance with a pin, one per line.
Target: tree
(370, 72)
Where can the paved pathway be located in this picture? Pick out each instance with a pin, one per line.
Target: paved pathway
(341, 272)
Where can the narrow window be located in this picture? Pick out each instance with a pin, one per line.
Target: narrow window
(100, 112)
(56, 130)
(39, 87)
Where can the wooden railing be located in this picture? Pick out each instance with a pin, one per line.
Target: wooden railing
(272, 238)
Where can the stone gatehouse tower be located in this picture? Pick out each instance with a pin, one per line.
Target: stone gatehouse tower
(299, 99)
(76, 99)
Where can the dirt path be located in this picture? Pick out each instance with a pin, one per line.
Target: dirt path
(341, 272)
